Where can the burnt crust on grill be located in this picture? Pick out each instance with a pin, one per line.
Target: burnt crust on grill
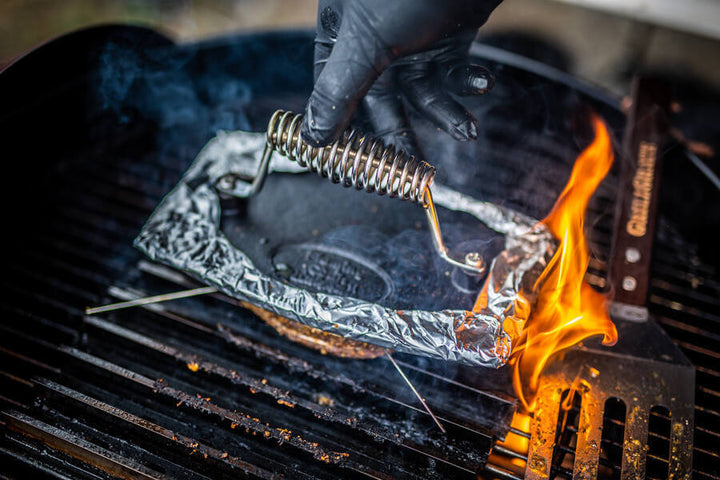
(320, 340)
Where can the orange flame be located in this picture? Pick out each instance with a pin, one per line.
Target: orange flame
(515, 442)
(567, 309)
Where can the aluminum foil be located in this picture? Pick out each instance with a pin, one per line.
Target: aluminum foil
(184, 233)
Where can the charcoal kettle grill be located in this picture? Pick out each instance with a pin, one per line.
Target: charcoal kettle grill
(201, 388)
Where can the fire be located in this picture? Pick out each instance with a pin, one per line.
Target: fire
(515, 442)
(567, 309)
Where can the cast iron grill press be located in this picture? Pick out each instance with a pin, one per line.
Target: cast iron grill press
(356, 161)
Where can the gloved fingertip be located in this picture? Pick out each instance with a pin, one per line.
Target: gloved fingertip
(473, 130)
(465, 131)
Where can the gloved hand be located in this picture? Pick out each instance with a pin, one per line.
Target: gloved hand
(379, 51)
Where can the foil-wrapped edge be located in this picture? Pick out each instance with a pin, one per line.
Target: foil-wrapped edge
(184, 233)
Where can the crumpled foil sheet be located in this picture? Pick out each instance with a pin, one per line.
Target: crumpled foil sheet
(184, 233)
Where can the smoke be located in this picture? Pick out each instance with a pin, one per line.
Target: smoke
(161, 87)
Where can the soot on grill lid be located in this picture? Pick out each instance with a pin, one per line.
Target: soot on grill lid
(359, 266)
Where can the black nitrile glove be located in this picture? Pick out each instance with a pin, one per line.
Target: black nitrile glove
(379, 51)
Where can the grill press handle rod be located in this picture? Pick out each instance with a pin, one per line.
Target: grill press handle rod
(360, 161)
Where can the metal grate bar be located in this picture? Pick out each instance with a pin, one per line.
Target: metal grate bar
(203, 405)
(79, 448)
(192, 445)
(256, 385)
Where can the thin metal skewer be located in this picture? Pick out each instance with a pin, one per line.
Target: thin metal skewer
(148, 300)
(417, 394)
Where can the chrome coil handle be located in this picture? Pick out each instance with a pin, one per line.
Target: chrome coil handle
(354, 159)
(360, 161)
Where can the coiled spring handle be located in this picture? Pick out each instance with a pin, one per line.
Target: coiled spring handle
(363, 162)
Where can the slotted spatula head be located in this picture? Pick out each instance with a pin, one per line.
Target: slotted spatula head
(644, 371)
